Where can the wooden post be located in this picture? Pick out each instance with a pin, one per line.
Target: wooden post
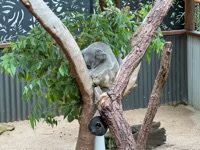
(4, 45)
(189, 15)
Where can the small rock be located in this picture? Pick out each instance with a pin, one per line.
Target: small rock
(6, 127)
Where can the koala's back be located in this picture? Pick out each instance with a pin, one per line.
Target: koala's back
(106, 48)
(104, 73)
(102, 46)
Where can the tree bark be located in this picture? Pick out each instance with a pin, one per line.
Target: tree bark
(140, 42)
(154, 101)
(189, 15)
(109, 105)
(102, 4)
(117, 3)
(65, 40)
(111, 111)
(132, 81)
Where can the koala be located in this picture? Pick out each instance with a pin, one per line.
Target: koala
(101, 63)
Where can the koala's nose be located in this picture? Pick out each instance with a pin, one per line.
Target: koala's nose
(88, 66)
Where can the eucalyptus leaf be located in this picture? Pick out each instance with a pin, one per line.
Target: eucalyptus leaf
(70, 118)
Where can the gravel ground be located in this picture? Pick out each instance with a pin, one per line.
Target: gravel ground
(182, 126)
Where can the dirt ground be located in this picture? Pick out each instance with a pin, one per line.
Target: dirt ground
(182, 126)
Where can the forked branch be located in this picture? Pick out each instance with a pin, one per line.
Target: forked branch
(109, 105)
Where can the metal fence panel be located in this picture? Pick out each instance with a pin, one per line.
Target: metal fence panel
(193, 49)
(12, 107)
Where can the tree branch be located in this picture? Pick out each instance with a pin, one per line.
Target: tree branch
(140, 42)
(109, 105)
(65, 40)
(117, 3)
(112, 113)
(154, 101)
(132, 81)
(102, 4)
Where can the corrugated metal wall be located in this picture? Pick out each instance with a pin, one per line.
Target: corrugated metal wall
(194, 71)
(13, 108)
(175, 89)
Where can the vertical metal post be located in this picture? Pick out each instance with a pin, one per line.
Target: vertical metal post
(99, 143)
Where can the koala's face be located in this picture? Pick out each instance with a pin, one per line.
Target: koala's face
(93, 57)
(89, 60)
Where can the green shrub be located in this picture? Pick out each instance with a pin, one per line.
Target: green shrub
(197, 16)
(40, 62)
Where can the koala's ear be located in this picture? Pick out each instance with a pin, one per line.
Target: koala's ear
(100, 54)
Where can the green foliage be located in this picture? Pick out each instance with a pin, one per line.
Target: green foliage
(9, 63)
(113, 27)
(175, 17)
(41, 63)
(197, 16)
(110, 143)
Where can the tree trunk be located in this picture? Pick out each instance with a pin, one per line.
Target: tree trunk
(85, 139)
(102, 4)
(73, 54)
(154, 101)
(109, 105)
(117, 3)
(112, 112)
(157, 135)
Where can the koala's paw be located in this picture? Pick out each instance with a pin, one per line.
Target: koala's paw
(102, 81)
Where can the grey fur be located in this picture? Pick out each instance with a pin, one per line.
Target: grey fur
(101, 63)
